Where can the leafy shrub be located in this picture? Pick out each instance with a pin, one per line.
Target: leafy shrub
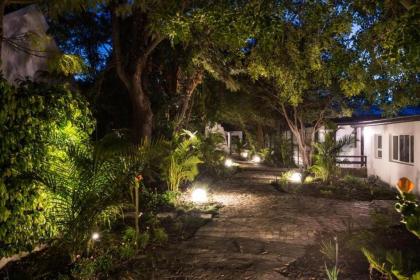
(182, 163)
(84, 193)
(211, 153)
(35, 120)
(409, 208)
(282, 151)
(160, 236)
(326, 152)
(394, 263)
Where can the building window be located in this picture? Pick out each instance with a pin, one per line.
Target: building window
(403, 148)
(378, 146)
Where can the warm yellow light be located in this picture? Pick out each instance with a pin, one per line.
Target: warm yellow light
(95, 236)
(256, 159)
(296, 177)
(228, 162)
(199, 195)
(244, 154)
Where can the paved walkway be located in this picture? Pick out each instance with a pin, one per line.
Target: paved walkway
(260, 229)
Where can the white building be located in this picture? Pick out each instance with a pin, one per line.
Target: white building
(227, 135)
(387, 148)
(26, 47)
(391, 147)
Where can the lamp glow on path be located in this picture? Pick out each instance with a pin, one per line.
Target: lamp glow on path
(296, 177)
(95, 236)
(256, 159)
(199, 195)
(228, 162)
(244, 154)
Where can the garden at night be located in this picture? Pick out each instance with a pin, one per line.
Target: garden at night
(210, 139)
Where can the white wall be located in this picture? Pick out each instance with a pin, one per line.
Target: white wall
(388, 170)
(18, 64)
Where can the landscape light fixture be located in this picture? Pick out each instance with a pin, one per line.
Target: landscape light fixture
(228, 162)
(199, 195)
(95, 236)
(256, 159)
(296, 177)
(244, 154)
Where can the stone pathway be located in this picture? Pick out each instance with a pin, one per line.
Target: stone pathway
(260, 229)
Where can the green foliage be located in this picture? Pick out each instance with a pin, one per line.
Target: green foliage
(85, 193)
(182, 163)
(160, 236)
(409, 208)
(35, 120)
(328, 249)
(325, 166)
(332, 273)
(283, 151)
(66, 64)
(211, 154)
(394, 263)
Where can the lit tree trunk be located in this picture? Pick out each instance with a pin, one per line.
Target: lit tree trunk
(188, 87)
(296, 125)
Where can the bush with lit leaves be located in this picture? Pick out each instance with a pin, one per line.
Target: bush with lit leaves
(35, 121)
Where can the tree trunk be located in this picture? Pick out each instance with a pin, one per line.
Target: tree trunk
(3, 4)
(191, 84)
(297, 127)
(142, 114)
(130, 65)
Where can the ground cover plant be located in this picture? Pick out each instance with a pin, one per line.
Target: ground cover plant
(346, 188)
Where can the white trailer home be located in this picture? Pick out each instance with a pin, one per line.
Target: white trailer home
(390, 147)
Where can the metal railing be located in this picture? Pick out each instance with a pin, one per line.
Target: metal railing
(358, 160)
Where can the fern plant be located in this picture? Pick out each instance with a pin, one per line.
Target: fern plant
(182, 163)
(326, 152)
(84, 194)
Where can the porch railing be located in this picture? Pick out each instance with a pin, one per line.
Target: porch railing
(357, 160)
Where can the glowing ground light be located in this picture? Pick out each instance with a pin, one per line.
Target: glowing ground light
(296, 177)
(95, 236)
(256, 159)
(199, 196)
(244, 154)
(228, 162)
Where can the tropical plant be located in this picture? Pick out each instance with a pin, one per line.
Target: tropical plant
(182, 163)
(211, 153)
(325, 166)
(328, 249)
(332, 273)
(409, 208)
(85, 193)
(394, 263)
(283, 151)
(331, 251)
(31, 116)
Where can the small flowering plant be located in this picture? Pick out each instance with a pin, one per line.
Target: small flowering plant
(138, 178)
(409, 208)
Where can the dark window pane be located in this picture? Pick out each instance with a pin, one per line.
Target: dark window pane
(412, 149)
(404, 148)
(379, 141)
(379, 153)
(395, 147)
